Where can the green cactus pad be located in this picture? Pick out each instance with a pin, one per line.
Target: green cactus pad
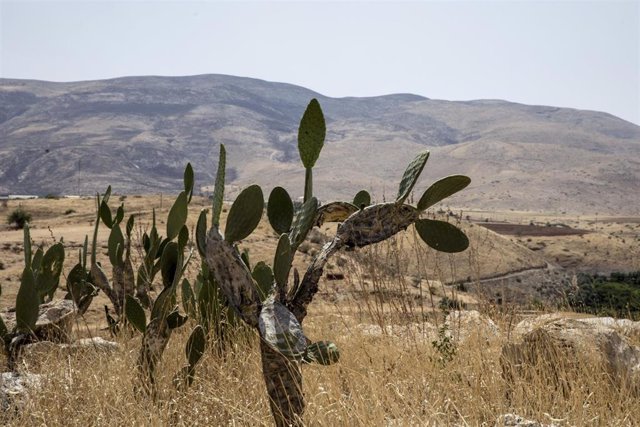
(107, 195)
(169, 263)
(196, 345)
(302, 223)
(411, 175)
(175, 319)
(177, 215)
(311, 134)
(280, 210)
(263, 276)
(77, 281)
(244, 215)
(27, 245)
(50, 270)
(183, 237)
(85, 250)
(282, 261)
(442, 189)
(129, 227)
(119, 214)
(201, 233)
(322, 352)
(36, 262)
(334, 212)
(135, 314)
(218, 190)
(105, 214)
(280, 329)
(362, 199)
(188, 298)
(442, 236)
(188, 181)
(245, 258)
(27, 303)
(163, 305)
(116, 245)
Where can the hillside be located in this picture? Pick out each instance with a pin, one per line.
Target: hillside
(137, 133)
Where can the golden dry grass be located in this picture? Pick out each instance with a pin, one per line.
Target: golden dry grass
(380, 380)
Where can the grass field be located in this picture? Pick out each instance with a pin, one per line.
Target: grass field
(398, 367)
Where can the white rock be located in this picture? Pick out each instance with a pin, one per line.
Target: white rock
(464, 324)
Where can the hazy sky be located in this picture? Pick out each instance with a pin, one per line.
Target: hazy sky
(569, 53)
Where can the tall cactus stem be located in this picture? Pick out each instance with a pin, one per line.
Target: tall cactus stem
(308, 184)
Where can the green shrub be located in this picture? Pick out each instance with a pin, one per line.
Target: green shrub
(617, 295)
(19, 218)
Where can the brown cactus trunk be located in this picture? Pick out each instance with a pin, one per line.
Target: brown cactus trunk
(283, 378)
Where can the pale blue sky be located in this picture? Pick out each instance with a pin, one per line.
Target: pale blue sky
(570, 53)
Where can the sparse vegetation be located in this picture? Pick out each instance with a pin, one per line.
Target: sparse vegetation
(18, 218)
(616, 295)
(428, 376)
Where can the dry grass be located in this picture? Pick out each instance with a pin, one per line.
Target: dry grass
(379, 380)
(386, 379)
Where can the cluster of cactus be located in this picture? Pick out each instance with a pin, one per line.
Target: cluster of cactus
(261, 296)
(38, 284)
(228, 288)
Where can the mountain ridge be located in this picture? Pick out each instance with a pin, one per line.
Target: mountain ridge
(138, 132)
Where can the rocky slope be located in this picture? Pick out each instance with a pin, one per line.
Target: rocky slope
(137, 133)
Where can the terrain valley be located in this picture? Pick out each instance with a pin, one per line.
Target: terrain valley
(552, 217)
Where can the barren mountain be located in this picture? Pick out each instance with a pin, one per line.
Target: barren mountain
(137, 133)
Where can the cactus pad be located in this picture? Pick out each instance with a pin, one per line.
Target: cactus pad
(303, 222)
(376, 223)
(280, 210)
(195, 345)
(362, 199)
(334, 212)
(135, 314)
(177, 215)
(188, 181)
(218, 189)
(280, 330)
(263, 275)
(411, 175)
(282, 261)
(442, 236)
(442, 189)
(245, 213)
(27, 303)
(311, 134)
(201, 233)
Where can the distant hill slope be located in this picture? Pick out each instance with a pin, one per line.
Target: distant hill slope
(137, 133)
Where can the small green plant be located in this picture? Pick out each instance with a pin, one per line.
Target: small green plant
(444, 345)
(38, 284)
(19, 217)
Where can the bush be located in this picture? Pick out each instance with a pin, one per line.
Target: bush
(617, 295)
(19, 218)
(447, 304)
(69, 211)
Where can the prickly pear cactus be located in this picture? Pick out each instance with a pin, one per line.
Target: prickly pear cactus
(36, 317)
(264, 300)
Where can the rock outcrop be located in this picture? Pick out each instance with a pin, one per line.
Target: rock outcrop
(552, 348)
